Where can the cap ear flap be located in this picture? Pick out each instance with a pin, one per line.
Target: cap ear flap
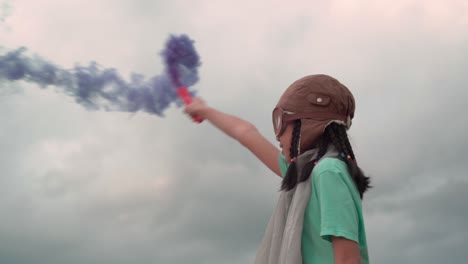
(350, 110)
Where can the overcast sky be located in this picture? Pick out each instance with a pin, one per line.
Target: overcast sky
(79, 186)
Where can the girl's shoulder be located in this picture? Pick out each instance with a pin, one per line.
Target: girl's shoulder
(330, 165)
(330, 162)
(332, 174)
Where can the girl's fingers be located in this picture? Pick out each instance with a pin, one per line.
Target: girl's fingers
(194, 106)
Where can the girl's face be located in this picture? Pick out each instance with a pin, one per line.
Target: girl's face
(285, 141)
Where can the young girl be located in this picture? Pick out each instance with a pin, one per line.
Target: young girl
(318, 218)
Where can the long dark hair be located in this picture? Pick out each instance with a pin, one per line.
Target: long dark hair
(334, 134)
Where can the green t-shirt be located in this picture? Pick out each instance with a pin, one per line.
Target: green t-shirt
(334, 209)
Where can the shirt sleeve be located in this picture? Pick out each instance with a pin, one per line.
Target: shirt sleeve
(283, 165)
(338, 212)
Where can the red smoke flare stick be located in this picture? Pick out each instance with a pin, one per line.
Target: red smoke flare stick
(183, 93)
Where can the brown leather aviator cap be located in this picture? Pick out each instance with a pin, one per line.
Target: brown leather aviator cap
(317, 100)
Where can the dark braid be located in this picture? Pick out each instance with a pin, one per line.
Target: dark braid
(342, 134)
(296, 134)
(290, 178)
(340, 140)
(336, 135)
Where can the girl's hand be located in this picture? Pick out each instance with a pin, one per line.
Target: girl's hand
(196, 108)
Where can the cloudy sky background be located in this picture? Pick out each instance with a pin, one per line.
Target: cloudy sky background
(105, 187)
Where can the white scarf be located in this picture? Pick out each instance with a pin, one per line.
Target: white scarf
(281, 243)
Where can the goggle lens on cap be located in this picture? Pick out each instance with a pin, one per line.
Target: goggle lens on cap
(279, 120)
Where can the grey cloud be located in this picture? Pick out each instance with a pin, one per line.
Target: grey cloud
(409, 133)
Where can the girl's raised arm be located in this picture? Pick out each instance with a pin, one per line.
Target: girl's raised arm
(241, 130)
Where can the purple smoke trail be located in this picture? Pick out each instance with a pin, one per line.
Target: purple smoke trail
(180, 55)
(97, 88)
